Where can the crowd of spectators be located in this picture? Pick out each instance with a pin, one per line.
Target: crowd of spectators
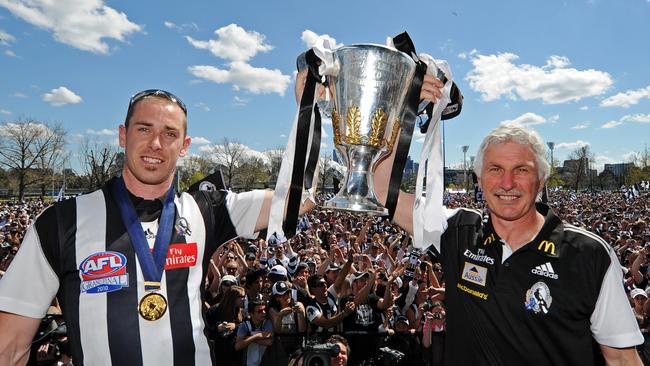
(352, 289)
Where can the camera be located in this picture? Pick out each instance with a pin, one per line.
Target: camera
(317, 354)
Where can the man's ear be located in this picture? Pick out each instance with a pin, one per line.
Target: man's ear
(122, 136)
(186, 146)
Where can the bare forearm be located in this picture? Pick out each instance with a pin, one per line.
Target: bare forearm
(621, 356)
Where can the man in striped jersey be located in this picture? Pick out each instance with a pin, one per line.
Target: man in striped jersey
(127, 262)
(521, 286)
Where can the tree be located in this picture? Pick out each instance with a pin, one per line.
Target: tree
(99, 161)
(230, 155)
(324, 170)
(252, 172)
(582, 158)
(192, 169)
(275, 161)
(24, 147)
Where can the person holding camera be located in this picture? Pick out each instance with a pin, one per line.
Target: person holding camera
(433, 333)
(223, 319)
(289, 324)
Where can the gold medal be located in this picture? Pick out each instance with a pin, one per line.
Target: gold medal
(152, 306)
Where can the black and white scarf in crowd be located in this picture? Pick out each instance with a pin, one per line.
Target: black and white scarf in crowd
(299, 169)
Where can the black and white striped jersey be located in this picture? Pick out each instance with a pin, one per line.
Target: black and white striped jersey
(80, 251)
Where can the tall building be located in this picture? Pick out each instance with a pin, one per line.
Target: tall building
(619, 169)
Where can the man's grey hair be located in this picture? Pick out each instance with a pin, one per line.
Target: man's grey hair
(518, 134)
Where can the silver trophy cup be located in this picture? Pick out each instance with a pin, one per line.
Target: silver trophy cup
(368, 92)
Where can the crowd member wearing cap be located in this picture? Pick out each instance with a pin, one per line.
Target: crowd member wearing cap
(322, 312)
(283, 254)
(289, 324)
(367, 316)
(404, 340)
(639, 297)
(334, 274)
(223, 319)
(254, 335)
(523, 281)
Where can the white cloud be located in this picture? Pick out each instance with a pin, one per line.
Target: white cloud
(559, 62)
(584, 108)
(233, 43)
(61, 96)
(199, 140)
(601, 160)
(466, 55)
(581, 126)
(611, 124)
(202, 106)
(10, 53)
(102, 132)
(630, 156)
(244, 76)
(237, 45)
(641, 118)
(310, 38)
(4, 111)
(571, 145)
(323, 145)
(526, 119)
(82, 24)
(5, 129)
(239, 102)
(6, 38)
(496, 76)
(18, 95)
(179, 28)
(626, 99)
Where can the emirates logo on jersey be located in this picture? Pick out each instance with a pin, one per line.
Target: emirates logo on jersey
(181, 256)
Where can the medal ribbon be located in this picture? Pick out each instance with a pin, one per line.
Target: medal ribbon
(152, 265)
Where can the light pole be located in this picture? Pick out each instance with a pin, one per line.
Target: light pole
(465, 148)
(551, 146)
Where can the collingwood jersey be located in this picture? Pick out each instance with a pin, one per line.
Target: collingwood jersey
(80, 251)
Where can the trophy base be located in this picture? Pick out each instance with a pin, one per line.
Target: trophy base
(362, 205)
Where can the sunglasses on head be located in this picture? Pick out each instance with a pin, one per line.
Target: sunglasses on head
(157, 93)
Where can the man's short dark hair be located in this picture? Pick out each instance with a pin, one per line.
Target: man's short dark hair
(312, 281)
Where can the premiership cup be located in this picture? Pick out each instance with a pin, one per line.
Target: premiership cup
(369, 92)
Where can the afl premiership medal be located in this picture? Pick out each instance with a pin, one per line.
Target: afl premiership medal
(152, 306)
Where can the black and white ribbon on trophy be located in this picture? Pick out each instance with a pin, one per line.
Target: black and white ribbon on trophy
(429, 221)
(298, 174)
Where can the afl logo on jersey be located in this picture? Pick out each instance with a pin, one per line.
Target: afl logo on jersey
(103, 272)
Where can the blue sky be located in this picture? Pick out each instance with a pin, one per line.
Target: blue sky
(577, 71)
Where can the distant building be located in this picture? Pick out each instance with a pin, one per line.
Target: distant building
(619, 169)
